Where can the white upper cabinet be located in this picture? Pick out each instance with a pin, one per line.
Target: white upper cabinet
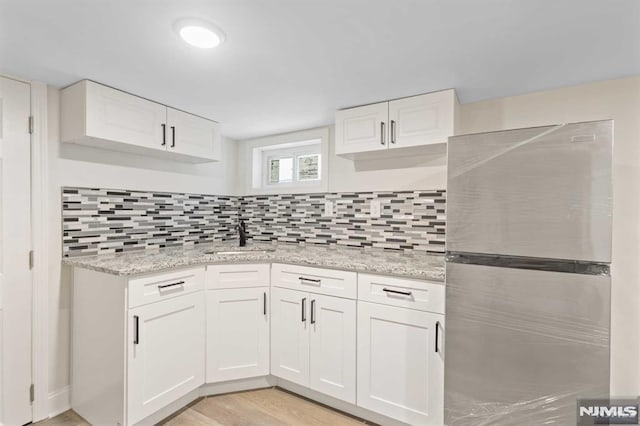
(416, 121)
(422, 120)
(113, 115)
(100, 116)
(190, 135)
(362, 129)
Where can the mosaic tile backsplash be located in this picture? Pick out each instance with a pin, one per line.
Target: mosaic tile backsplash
(108, 221)
(409, 220)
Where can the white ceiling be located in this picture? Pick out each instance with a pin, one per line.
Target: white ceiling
(289, 64)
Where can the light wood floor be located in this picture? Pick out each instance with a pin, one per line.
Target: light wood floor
(264, 407)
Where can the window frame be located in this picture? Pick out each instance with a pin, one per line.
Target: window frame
(253, 168)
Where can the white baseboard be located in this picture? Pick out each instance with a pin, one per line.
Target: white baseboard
(59, 401)
(208, 390)
(211, 389)
(170, 409)
(338, 404)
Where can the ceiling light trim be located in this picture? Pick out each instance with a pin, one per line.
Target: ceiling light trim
(199, 33)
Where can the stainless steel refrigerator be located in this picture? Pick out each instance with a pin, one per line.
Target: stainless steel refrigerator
(527, 277)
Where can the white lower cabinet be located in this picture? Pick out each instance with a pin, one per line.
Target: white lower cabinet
(290, 335)
(142, 343)
(237, 333)
(333, 346)
(401, 363)
(165, 353)
(313, 342)
(138, 343)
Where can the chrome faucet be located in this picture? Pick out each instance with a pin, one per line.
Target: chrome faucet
(242, 231)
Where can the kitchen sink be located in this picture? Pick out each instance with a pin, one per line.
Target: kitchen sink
(243, 251)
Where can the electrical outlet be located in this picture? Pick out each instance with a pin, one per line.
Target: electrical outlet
(328, 208)
(375, 208)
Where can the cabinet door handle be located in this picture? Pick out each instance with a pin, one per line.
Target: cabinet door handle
(163, 286)
(264, 303)
(311, 280)
(136, 330)
(313, 311)
(173, 136)
(404, 293)
(304, 309)
(382, 138)
(393, 131)
(437, 336)
(164, 134)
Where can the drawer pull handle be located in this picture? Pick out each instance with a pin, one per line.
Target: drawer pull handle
(437, 336)
(313, 311)
(311, 280)
(304, 309)
(136, 330)
(163, 286)
(404, 293)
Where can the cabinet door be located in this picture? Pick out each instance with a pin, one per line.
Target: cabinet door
(362, 129)
(290, 335)
(332, 321)
(237, 333)
(118, 116)
(421, 120)
(192, 136)
(165, 353)
(400, 365)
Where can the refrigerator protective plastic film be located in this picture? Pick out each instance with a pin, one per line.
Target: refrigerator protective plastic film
(544, 192)
(522, 346)
(529, 215)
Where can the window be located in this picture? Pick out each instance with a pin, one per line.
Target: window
(308, 167)
(280, 170)
(292, 166)
(289, 163)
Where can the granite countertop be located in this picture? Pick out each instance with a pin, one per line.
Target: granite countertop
(377, 261)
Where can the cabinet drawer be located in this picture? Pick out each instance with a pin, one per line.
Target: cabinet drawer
(157, 287)
(237, 276)
(407, 293)
(315, 280)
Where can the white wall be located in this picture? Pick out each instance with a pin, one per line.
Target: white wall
(73, 165)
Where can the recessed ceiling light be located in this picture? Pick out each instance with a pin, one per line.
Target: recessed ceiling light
(199, 33)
